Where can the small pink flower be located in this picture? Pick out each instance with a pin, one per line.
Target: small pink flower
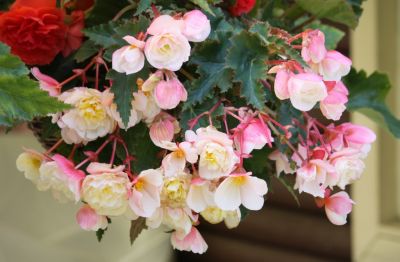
(334, 66)
(196, 26)
(129, 59)
(199, 196)
(357, 134)
(305, 90)
(175, 162)
(193, 241)
(337, 207)
(163, 128)
(313, 46)
(72, 176)
(281, 84)
(333, 105)
(281, 163)
(89, 220)
(251, 135)
(168, 93)
(46, 82)
(241, 188)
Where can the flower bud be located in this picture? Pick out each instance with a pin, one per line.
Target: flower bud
(46, 82)
(89, 220)
(313, 50)
(196, 26)
(129, 59)
(168, 93)
(334, 66)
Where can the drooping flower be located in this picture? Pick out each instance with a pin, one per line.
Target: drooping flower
(241, 188)
(193, 241)
(333, 105)
(62, 178)
(313, 46)
(200, 195)
(305, 90)
(89, 220)
(337, 207)
(196, 26)
(106, 189)
(252, 134)
(167, 50)
(177, 218)
(281, 83)
(29, 162)
(217, 158)
(129, 59)
(145, 104)
(163, 128)
(30, 24)
(170, 92)
(334, 66)
(175, 162)
(350, 135)
(46, 82)
(90, 117)
(145, 196)
(281, 163)
(215, 215)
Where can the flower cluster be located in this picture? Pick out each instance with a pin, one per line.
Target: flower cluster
(201, 155)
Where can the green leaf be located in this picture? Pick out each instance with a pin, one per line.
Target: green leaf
(139, 144)
(123, 87)
(143, 6)
(210, 59)
(87, 50)
(203, 5)
(137, 226)
(9, 64)
(20, 97)
(103, 11)
(276, 43)
(370, 92)
(332, 34)
(247, 58)
(335, 10)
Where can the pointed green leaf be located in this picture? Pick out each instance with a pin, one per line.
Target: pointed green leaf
(143, 6)
(370, 92)
(87, 50)
(9, 64)
(247, 58)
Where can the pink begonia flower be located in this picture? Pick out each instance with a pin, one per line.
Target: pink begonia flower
(46, 82)
(251, 135)
(169, 93)
(145, 195)
(196, 26)
(145, 104)
(89, 220)
(193, 241)
(167, 50)
(337, 207)
(165, 23)
(241, 188)
(129, 59)
(217, 157)
(29, 162)
(313, 46)
(281, 163)
(281, 84)
(200, 195)
(305, 90)
(334, 66)
(333, 106)
(350, 135)
(178, 218)
(175, 162)
(163, 128)
(348, 166)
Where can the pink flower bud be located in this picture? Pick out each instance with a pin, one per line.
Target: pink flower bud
(46, 82)
(163, 129)
(337, 207)
(193, 241)
(305, 90)
(168, 93)
(334, 66)
(129, 59)
(313, 46)
(357, 134)
(89, 220)
(196, 26)
(281, 84)
(333, 105)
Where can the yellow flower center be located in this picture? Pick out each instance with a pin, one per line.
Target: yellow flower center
(179, 153)
(239, 180)
(174, 192)
(91, 109)
(139, 185)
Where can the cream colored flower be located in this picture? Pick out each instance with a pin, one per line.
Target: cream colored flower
(29, 162)
(106, 189)
(89, 119)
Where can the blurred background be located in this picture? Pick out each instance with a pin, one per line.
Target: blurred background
(34, 227)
